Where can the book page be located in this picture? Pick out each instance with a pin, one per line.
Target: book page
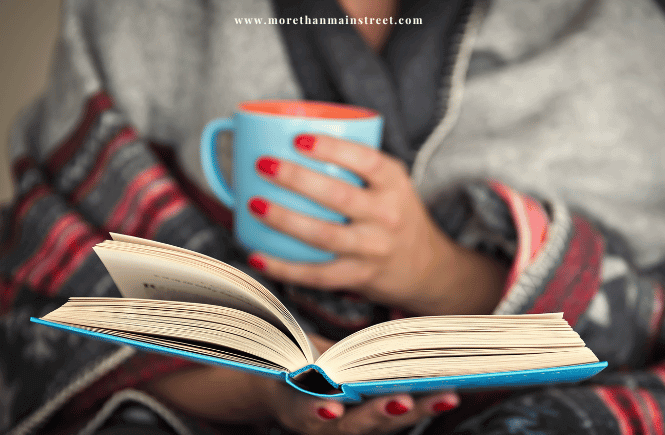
(462, 365)
(454, 345)
(200, 328)
(153, 270)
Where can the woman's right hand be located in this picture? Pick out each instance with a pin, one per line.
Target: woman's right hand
(227, 395)
(386, 414)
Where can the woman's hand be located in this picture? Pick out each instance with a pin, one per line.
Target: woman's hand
(391, 251)
(230, 396)
(310, 415)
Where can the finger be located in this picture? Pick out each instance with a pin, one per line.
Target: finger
(376, 168)
(333, 275)
(305, 414)
(321, 343)
(438, 403)
(323, 411)
(356, 239)
(351, 201)
(381, 414)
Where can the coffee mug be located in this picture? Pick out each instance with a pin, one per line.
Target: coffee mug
(268, 128)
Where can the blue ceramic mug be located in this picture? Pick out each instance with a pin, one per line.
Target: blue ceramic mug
(268, 128)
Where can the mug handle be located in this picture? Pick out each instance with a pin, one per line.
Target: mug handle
(209, 162)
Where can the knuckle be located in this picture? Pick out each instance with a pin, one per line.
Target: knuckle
(340, 196)
(326, 235)
(392, 219)
(373, 160)
(382, 248)
(348, 240)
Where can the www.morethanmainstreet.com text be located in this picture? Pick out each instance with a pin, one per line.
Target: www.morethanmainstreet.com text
(332, 21)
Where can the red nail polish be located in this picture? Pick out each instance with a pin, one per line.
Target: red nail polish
(256, 262)
(443, 406)
(305, 142)
(396, 408)
(325, 414)
(258, 206)
(267, 166)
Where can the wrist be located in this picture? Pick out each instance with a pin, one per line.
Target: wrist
(458, 280)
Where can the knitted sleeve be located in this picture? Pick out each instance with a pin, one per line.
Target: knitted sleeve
(563, 261)
(81, 170)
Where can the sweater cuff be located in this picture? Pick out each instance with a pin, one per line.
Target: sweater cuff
(530, 221)
(557, 263)
(553, 257)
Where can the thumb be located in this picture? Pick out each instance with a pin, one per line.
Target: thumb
(322, 344)
(324, 410)
(307, 414)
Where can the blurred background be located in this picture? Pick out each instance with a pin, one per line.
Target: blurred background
(28, 30)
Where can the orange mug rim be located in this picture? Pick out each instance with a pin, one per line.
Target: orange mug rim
(306, 109)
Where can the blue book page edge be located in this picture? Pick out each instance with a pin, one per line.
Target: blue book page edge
(165, 350)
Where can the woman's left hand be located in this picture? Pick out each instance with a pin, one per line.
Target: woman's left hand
(390, 251)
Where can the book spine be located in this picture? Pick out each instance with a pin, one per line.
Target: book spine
(344, 394)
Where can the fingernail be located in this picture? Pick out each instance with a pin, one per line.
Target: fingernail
(256, 262)
(444, 406)
(258, 206)
(267, 166)
(325, 414)
(396, 408)
(305, 142)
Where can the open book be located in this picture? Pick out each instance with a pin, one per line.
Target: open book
(186, 304)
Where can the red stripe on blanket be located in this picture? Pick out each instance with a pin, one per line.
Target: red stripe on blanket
(124, 136)
(68, 242)
(65, 224)
(7, 293)
(150, 202)
(126, 204)
(25, 204)
(631, 403)
(154, 204)
(168, 211)
(97, 104)
(71, 263)
(210, 205)
(21, 207)
(531, 223)
(73, 244)
(652, 410)
(577, 279)
(623, 418)
(41, 274)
